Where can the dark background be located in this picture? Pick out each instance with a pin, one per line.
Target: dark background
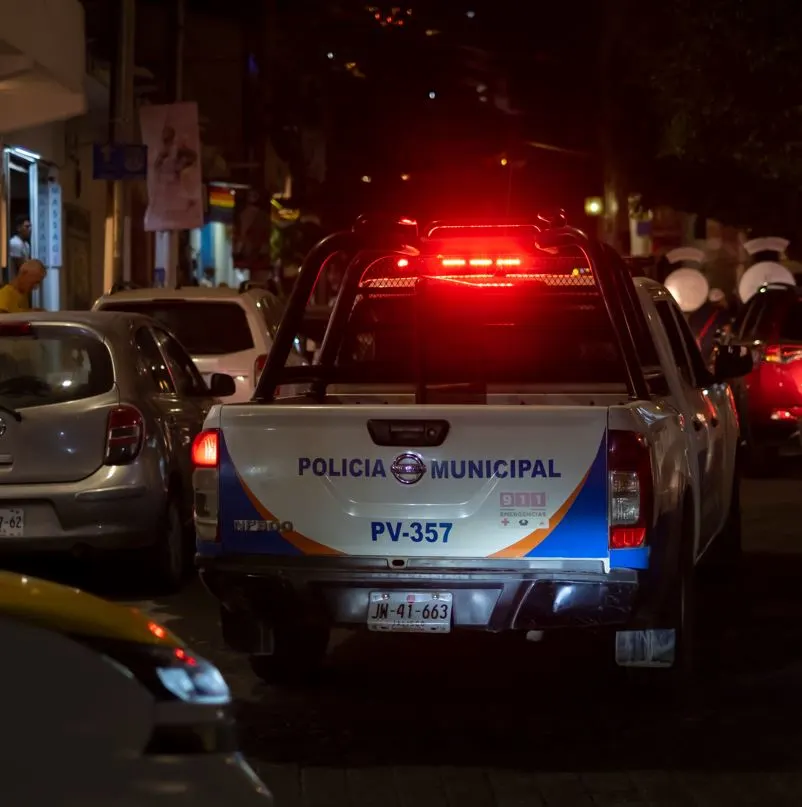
(695, 104)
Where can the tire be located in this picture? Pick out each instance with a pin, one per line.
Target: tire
(297, 658)
(166, 561)
(678, 612)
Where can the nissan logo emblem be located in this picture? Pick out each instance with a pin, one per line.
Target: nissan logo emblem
(408, 468)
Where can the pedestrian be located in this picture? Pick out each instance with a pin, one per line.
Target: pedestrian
(713, 317)
(19, 246)
(14, 296)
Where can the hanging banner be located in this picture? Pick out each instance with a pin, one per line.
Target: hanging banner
(175, 193)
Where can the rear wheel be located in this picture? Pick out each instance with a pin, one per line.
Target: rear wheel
(165, 561)
(297, 657)
(678, 615)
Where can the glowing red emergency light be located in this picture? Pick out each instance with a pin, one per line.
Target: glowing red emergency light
(454, 262)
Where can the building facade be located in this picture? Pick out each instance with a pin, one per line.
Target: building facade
(43, 84)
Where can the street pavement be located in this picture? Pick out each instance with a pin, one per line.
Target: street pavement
(491, 722)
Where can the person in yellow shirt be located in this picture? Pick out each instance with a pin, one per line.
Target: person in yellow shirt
(14, 295)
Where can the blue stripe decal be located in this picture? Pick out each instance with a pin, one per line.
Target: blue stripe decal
(583, 531)
(630, 558)
(235, 505)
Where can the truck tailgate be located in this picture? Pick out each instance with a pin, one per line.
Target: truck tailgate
(529, 481)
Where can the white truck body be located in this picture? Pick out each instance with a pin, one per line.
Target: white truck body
(509, 517)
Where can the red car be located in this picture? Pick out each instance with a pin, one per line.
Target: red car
(769, 399)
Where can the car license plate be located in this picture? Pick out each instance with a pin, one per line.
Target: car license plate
(410, 612)
(12, 522)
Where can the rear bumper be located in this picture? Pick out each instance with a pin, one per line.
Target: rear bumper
(115, 508)
(520, 595)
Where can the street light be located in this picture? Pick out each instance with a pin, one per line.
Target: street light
(594, 206)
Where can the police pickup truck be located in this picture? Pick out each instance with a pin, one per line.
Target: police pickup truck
(503, 431)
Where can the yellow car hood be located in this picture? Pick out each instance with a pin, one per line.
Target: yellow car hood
(72, 611)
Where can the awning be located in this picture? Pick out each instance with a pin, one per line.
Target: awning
(42, 62)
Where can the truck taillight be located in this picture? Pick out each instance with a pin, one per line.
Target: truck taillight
(124, 435)
(629, 465)
(206, 449)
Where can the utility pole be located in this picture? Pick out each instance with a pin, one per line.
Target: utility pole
(167, 241)
(122, 132)
(615, 217)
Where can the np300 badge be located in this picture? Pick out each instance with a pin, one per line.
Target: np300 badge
(408, 468)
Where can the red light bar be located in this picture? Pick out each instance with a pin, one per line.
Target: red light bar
(446, 230)
(16, 329)
(451, 262)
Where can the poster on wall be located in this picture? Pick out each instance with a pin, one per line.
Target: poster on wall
(175, 193)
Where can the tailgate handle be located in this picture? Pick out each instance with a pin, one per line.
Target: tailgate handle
(408, 433)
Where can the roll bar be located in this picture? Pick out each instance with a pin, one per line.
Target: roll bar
(367, 243)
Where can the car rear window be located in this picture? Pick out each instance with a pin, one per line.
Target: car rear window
(204, 328)
(507, 334)
(52, 364)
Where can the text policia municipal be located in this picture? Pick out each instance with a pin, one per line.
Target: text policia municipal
(440, 469)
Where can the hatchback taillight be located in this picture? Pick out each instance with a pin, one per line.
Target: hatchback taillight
(782, 354)
(124, 435)
(629, 465)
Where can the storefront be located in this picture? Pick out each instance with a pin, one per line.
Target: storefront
(31, 219)
(42, 73)
(213, 246)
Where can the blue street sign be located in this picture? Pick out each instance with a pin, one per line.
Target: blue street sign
(119, 161)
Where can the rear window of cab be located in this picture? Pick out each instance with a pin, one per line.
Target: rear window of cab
(51, 364)
(204, 327)
(506, 335)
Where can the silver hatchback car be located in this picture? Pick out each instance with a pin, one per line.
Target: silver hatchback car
(98, 412)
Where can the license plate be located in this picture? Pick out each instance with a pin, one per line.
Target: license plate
(410, 612)
(12, 522)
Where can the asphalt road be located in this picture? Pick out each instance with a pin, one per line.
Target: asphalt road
(492, 722)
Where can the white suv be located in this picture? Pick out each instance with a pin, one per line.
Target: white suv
(224, 330)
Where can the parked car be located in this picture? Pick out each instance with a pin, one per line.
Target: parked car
(769, 399)
(97, 416)
(104, 706)
(223, 329)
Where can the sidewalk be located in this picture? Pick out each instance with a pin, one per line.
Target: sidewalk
(470, 787)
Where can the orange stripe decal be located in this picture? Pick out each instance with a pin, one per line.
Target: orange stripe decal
(300, 542)
(523, 547)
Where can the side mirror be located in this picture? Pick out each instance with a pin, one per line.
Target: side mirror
(732, 361)
(222, 385)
